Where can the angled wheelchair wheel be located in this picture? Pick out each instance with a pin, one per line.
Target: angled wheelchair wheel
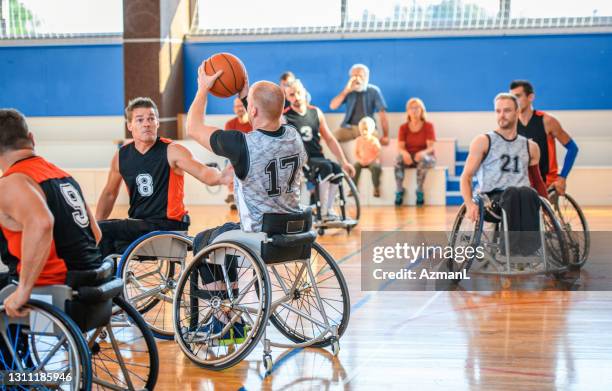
(575, 225)
(46, 341)
(150, 269)
(314, 299)
(465, 233)
(554, 238)
(217, 324)
(124, 353)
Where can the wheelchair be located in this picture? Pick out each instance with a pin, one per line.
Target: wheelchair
(574, 224)
(280, 275)
(150, 268)
(489, 231)
(346, 205)
(80, 336)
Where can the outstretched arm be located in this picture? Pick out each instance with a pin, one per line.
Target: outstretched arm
(196, 117)
(181, 158)
(333, 145)
(553, 127)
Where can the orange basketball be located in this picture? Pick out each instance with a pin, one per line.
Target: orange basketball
(233, 77)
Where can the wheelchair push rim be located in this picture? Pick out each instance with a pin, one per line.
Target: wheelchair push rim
(575, 225)
(217, 328)
(150, 280)
(44, 324)
(555, 248)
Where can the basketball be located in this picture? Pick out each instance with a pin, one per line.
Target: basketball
(233, 77)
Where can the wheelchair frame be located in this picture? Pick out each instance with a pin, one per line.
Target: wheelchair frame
(88, 339)
(578, 252)
(345, 222)
(162, 246)
(512, 265)
(248, 244)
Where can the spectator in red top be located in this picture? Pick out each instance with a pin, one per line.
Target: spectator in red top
(239, 122)
(416, 148)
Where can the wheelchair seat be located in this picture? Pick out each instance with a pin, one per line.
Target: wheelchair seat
(285, 237)
(88, 301)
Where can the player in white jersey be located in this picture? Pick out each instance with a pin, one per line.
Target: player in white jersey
(501, 159)
(267, 164)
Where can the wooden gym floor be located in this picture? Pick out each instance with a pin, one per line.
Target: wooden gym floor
(507, 340)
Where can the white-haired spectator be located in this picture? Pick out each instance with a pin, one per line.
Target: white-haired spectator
(361, 99)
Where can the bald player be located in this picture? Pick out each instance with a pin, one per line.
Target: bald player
(268, 167)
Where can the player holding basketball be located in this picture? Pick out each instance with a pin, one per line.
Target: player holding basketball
(501, 158)
(268, 166)
(152, 168)
(544, 129)
(311, 124)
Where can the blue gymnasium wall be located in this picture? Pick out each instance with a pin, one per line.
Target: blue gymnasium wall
(573, 72)
(62, 80)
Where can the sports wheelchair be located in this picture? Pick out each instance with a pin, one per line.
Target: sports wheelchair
(79, 336)
(150, 268)
(490, 232)
(574, 224)
(279, 275)
(346, 204)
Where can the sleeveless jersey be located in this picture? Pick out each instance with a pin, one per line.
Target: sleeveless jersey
(534, 130)
(156, 191)
(505, 165)
(308, 126)
(74, 245)
(272, 183)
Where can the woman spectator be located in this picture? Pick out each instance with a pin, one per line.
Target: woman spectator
(416, 148)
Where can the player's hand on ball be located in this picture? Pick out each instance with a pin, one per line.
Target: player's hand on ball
(205, 81)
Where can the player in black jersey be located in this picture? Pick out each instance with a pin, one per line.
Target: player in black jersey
(47, 228)
(544, 129)
(311, 124)
(153, 169)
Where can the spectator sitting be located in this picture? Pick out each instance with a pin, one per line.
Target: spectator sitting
(367, 152)
(416, 148)
(362, 100)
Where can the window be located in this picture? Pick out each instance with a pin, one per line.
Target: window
(560, 9)
(421, 13)
(248, 14)
(60, 18)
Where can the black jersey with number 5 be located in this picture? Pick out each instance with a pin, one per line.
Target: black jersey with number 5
(155, 190)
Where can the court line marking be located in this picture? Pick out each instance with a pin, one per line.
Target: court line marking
(359, 303)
